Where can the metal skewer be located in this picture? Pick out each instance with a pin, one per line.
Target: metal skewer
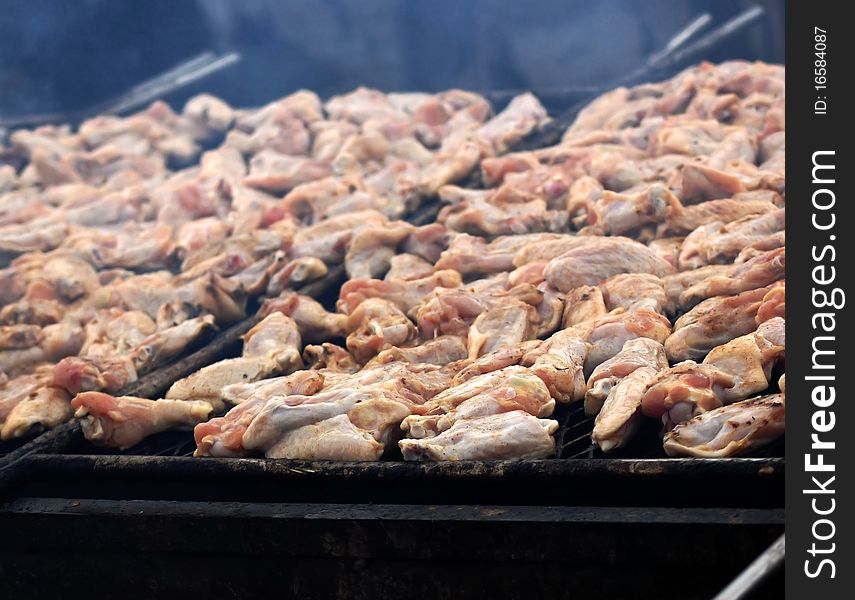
(755, 573)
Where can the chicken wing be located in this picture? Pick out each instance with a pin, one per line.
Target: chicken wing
(758, 272)
(514, 434)
(592, 263)
(619, 417)
(732, 430)
(44, 409)
(749, 359)
(519, 391)
(584, 303)
(636, 353)
(330, 357)
(336, 438)
(223, 436)
(124, 421)
(404, 294)
(713, 322)
(271, 347)
(375, 325)
(505, 325)
(559, 362)
(608, 335)
(685, 390)
(315, 323)
(636, 290)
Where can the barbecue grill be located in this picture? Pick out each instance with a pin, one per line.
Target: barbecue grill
(152, 519)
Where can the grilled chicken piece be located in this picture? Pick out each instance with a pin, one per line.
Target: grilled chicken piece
(522, 115)
(495, 169)
(254, 279)
(508, 324)
(504, 356)
(19, 337)
(404, 294)
(469, 254)
(594, 262)
(113, 331)
(372, 247)
(329, 357)
(150, 291)
(14, 390)
(415, 381)
(438, 351)
(770, 242)
(772, 304)
(559, 362)
(450, 312)
(531, 273)
(758, 272)
(479, 212)
(550, 310)
(209, 383)
(524, 392)
(731, 430)
(278, 173)
(70, 277)
(318, 200)
(428, 242)
(713, 322)
(20, 238)
(514, 434)
(283, 415)
(375, 325)
(271, 347)
(668, 249)
(631, 291)
(211, 113)
(701, 182)
(619, 417)
(453, 311)
(276, 336)
(315, 323)
(124, 421)
(223, 436)
(617, 213)
(80, 374)
(685, 390)
(608, 335)
(549, 182)
(295, 272)
(408, 266)
(677, 283)
(164, 345)
(43, 409)
(336, 438)
(637, 353)
(328, 239)
(451, 396)
(584, 303)
(721, 241)
(237, 393)
(728, 210)
(131, 246)
(381, 418)
(749, 359)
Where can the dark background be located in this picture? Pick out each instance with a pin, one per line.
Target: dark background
(59, 55)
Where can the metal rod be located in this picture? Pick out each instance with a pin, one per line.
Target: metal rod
(716, 36)
(755, 573)
(681, 37)
(174, 79)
